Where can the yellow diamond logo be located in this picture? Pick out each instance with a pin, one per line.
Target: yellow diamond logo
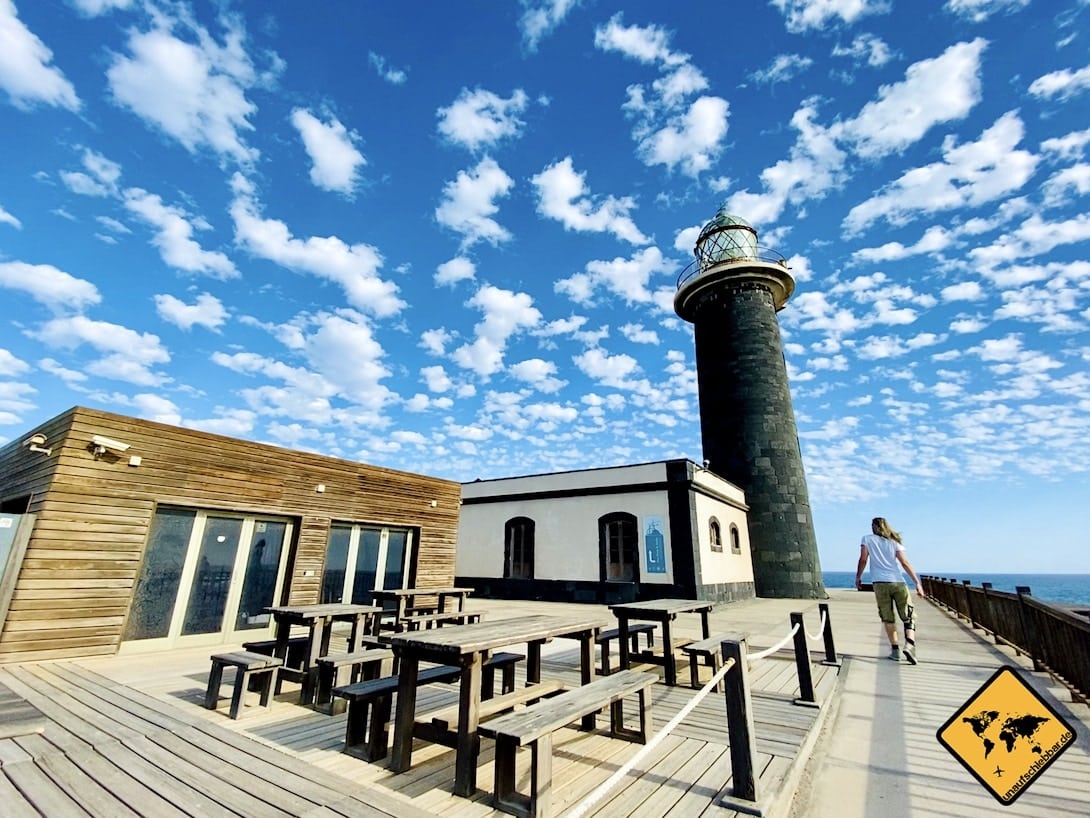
(1006, 735)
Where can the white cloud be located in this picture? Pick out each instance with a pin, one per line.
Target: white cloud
(1033, 237)
(606, 369)
(126, 355)
(692, 140)
(195, 93)
(964, 291)
(784, 68)
(506, 313)
(1062, 84)
(354, 267)
(100, 180)
(174, 236)
(563, 195)
(638, 334)
(95, 8)
(335, 160)
(978, 11)
(26, 70)
(626, 277)
(540, 17)
(935, 239)
(437, 379)
(208, 311)
(468, 205)
(10, 366)
(1069, 146)
(647, 44)
(49, 286)
(866, 48)
(456, 269)
(969, 175)
(817, 14)
(481, 119)
(538, 373)
(1057, 189)
(8, 218)
(394, 76)
(938, 90)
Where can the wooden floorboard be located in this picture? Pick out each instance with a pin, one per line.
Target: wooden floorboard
(132, 732)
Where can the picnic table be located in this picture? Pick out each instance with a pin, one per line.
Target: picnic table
(468, 647)
(405, 598)
(318, 619)
(663, 611)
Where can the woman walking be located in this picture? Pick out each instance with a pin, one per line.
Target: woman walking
(883, 548)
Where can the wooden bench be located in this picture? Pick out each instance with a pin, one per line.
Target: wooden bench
(296, 655)
(359, 666)
(710, 652)
(634, 630)
(535, 724)
(249, 666)
(423, 621)
(369, 702)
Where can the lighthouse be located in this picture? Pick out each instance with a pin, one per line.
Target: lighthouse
(731, 294)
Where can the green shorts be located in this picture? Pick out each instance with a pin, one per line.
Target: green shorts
(890, 594)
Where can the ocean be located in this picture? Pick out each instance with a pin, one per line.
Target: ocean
(1059, 589)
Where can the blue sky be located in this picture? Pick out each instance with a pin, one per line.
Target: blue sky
(448, 240)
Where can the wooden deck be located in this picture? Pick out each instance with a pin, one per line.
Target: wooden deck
(128, 736)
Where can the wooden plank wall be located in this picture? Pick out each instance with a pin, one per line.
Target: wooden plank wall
(76, 583)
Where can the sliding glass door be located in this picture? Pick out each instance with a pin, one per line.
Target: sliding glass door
(361, 559)
(206, 579)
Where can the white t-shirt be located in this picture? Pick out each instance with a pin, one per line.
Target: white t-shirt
(883, 558)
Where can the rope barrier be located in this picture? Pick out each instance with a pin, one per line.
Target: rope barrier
(821, 630)
(597, 794)
(769, 651)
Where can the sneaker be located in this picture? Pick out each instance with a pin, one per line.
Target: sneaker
(910, 653)
(895, 654)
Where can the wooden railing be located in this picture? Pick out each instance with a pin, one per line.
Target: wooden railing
(1055, 639)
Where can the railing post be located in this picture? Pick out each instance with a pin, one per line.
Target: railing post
(830, 648)
(969, 604)
(985, 587)
(802, 664)
(1029, 628)
(743, 746)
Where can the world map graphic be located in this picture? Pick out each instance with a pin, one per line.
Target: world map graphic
(1008, 729)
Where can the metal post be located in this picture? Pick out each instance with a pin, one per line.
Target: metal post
(802, 664)
(985, 587)
(743, 746)
(830, 648)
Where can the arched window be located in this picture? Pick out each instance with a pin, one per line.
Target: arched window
(619, 547)
(715, 535)
(518, 548)
(735, 540)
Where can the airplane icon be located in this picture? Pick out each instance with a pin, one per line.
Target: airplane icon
(998, 772)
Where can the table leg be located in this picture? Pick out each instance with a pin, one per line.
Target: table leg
(587, 668)
(622, 641)
(401, 757)
(533, 663)
(318, 641)
(469, 742)
(668, 659)
(704, 623)
(283, 633)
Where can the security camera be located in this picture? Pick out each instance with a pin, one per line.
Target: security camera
(36, 443)
(707, 464)
(102, 444)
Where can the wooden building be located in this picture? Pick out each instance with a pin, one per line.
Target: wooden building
(651, 530)
(119, 534)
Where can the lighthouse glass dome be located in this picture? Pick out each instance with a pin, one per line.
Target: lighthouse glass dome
(725, 238)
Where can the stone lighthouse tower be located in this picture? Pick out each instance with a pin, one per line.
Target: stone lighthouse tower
(731, 295)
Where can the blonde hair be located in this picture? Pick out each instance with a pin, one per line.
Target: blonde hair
(881, 527)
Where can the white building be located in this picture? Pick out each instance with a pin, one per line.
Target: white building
(650, 530)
